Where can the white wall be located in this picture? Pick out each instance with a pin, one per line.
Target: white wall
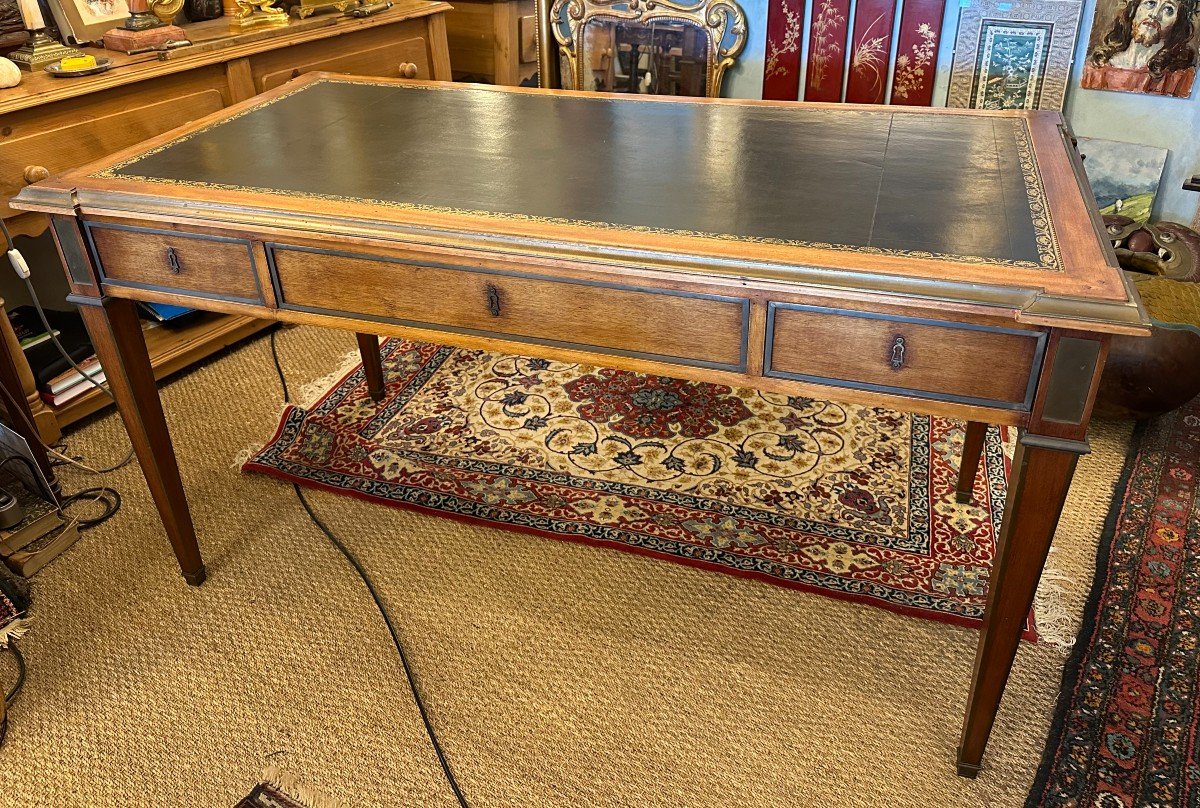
(1170, 123)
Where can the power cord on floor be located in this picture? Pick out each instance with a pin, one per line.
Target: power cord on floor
(379, 604)
(109, 498)
(16, 688)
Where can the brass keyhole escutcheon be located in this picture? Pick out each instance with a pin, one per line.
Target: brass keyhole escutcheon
(898, 346)
(173, 261)
(493, 300)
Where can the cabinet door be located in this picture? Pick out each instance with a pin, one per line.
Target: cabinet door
(385, 53)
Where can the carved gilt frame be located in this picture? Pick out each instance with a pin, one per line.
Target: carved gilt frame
(722, 21)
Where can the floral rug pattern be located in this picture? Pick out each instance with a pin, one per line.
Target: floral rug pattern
(851, 501)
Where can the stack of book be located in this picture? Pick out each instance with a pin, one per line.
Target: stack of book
(57, 381)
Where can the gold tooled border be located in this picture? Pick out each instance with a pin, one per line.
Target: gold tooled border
(1046, 239)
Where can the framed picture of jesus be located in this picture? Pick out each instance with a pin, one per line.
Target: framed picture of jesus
(1144, 46)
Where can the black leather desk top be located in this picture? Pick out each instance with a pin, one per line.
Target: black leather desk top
(961, 186)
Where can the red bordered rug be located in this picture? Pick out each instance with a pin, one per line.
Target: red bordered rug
(1125, 734)
(849, 501)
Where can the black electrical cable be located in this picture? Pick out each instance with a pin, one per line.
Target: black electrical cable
(16, 688)
(110, 498)
(11, 246)
(383, 611)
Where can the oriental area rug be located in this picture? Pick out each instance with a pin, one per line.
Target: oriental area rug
(1128, 719)
(848, 501)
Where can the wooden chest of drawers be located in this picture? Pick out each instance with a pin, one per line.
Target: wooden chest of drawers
(49, 125)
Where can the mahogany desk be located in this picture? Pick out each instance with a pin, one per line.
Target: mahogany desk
(947, 262)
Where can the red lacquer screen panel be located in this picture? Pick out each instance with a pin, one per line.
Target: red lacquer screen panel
(826, 50)
(916, 52)
(870, 51)
(781, 76)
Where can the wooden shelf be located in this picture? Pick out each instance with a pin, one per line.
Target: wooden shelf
(172, 348)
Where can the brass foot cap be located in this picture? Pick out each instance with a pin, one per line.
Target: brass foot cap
(196, 577)
(969, 770)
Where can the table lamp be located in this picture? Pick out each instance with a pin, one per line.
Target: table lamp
(40, 49)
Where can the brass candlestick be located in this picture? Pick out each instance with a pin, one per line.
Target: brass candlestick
(39, 50)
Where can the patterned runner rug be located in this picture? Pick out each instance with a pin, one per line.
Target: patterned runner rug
(1127, 724)
(853, 502)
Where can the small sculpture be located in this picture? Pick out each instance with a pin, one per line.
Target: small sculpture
(1164, 248)
(256, 14)
(165, 10)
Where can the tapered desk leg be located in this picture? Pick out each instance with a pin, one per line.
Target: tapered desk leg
(1042, 471)
(1042, 468)
(120, 346)
(972, 452)
(368, 348)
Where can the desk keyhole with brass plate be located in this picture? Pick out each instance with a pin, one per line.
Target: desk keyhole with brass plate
(173, 261)
(493, 300)
(898, 347)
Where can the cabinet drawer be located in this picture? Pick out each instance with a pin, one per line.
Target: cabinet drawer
(680, 327)
(189, 263)
(385, 61)
(378, 51)
(970, 364)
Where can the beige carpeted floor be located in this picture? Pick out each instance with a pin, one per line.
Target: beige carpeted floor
(557, 674)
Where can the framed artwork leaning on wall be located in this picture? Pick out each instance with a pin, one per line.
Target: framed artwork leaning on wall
(1144, 46)
(1013, 55)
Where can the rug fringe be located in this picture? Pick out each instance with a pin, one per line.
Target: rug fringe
(307, 394)
(14, 631)
(304, 398)
(244, 454)
(1055, 623)
(293, 788)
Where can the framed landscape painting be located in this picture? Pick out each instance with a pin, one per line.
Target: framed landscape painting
(1124, 176)
(1013, 55)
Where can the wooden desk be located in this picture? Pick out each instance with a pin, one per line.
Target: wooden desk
(947, 262)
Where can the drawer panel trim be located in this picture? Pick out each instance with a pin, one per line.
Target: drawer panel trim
(1022, 406)
(744, 319)
(176, 290)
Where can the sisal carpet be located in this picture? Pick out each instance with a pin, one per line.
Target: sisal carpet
(1126, 730)
(558, 674)
(282, 791)
(849, 501)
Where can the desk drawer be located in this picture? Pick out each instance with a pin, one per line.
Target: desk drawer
(984, 365)
(681, 327)
(188, 263)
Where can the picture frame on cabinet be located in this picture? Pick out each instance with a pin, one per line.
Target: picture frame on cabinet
(83, 21)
